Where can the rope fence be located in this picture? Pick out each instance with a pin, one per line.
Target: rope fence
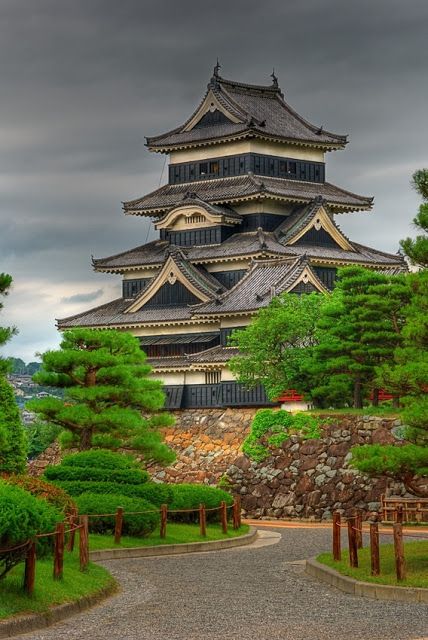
(354, 526)
(80, 523)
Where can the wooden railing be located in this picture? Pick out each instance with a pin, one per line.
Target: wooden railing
(67, 531)
(354, 526)
(414, 509)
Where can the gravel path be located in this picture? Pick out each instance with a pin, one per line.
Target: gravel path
(252, 593)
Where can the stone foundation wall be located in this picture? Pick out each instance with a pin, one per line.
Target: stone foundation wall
(301, 479)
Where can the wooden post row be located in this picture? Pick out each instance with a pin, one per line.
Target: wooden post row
(359, 528)
(223, 516)
(30, 569)
(84, 542)
(59, 551)
(400, 564)
(72, 534)
(202, 520)
(374, 549)
(238, 511)
(352, 543)
(118, 525)
(163, 520)
(337, 552)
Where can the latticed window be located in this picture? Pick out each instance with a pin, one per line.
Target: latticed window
(195, 218)
(212, 377)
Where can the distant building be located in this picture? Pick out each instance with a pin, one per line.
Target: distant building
(246, 215)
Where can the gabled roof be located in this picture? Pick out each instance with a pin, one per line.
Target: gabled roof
(247, 187)
(264, 280)
(315, 215)
(191, 201)
(177, 268)
(255, 111)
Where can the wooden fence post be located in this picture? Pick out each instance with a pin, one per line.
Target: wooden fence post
(238, 511)
(352, 542)
(163, 520)
(72, 534)
(59, 551)
(202, 520)
(84, 542)
(118, 524)
(359, 528)
(30, 569)
(337, 553)
(235, 513)
(223, 516)
(374, 546)
(400, 564)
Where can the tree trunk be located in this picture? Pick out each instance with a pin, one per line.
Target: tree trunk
(85, 439)
(375, 401)
(358, 397)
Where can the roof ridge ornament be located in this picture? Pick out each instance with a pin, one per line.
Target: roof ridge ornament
(274, 79)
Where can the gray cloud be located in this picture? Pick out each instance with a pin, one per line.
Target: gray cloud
(83, 82)
(77, 298)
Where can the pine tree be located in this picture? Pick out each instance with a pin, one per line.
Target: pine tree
(13, 444)
(5, 332)
(417, 249)
(109, 399)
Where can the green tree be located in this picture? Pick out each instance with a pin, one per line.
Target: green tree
(276, 347)
(359, 328)
(13, 445)
(417, 249)
(109, 399)
(5, 332)
(407, 376)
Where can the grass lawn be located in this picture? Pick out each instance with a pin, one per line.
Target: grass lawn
(382, 410)
(175, 534)
(49, 592)
(415, 553)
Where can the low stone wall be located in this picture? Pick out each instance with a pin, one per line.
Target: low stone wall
(311, 479)
(301, 479)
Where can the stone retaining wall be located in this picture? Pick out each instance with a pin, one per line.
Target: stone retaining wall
(300, 479)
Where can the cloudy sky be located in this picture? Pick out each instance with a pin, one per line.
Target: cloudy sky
(83, 81)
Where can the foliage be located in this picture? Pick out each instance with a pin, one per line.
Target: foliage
(5, 332)
(19, 367)
(95, 474)
(107, 387)
(271, 428)
(40, 435)
(133, 525)
(155, 493)
(407, 374)
(21, 517)
(277, 345)
(13, 445)
(39, 488)
(102, 459)
(417, 249)
(359, 329)
(190, 496)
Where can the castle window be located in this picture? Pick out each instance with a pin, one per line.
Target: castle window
(292, 168)
(212, 377)
(214, 168)
(195, 218)
(203, 168)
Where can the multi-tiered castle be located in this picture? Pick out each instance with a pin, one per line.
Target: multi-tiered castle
(246, 215)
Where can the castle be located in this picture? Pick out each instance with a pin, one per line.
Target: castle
(247, 214)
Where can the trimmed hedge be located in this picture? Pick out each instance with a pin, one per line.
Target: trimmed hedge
(56, 496)
(101, 459)
(133, 525)
(190, 496)
(119, 476)
(21, 517)
(155, 493)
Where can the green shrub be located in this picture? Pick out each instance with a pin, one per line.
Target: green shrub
(119, 476)
(155, 493)
(22, 516)
(271, 428)
(101, 459)
(133, 525)
(53, 494)
(190, 496)
(13, 450)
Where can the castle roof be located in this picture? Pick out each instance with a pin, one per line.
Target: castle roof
(247, 187)
(244, 111)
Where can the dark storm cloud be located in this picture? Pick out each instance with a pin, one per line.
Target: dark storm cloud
(83, 82)
(83, 297)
